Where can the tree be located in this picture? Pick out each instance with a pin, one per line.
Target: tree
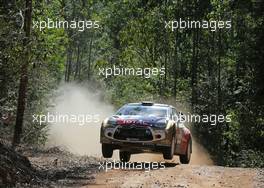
(22, 93)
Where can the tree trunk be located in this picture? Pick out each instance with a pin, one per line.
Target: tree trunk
(175, 68)
(77, 67)
(194, 68)
(165, 76)
(21, 102)
(219, 90)
(89, 59)
(68, 65)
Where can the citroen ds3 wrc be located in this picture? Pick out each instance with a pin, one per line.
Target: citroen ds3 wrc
(146, 127)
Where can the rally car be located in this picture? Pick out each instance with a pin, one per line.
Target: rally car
(146, 127)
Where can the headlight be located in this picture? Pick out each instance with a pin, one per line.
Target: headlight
(161, 123)
(109, 123)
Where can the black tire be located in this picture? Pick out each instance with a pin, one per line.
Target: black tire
(124, 156)
(185, 159)
(107, 150)
(168, 153)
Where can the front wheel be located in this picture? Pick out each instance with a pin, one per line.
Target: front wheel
(169, 152)
(185, 159)
(107, 150)
(124, 156)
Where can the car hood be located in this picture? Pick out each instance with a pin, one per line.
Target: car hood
(137, 120)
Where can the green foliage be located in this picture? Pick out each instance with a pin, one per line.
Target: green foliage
(45, 71)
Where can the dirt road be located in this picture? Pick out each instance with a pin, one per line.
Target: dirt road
(195, 176)
(201, 173)
(64, 169)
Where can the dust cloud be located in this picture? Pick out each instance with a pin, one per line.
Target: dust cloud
(79, 139)
(200, 155)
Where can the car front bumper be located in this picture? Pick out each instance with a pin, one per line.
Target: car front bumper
(126, 138)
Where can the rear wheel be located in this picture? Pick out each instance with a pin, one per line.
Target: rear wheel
(124, 156)
(107, 150)
(169, 152)
(185, 159)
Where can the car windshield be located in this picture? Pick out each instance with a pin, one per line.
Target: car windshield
(157, 111)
